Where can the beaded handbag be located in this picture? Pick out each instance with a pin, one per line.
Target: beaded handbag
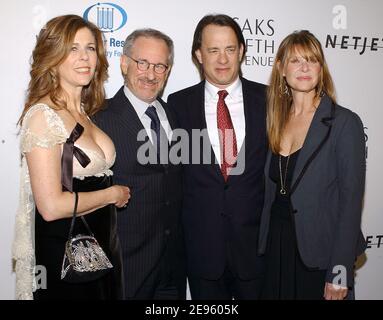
(84, 260)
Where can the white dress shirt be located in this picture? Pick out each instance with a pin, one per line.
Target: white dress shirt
(140, 108)
(234, 102)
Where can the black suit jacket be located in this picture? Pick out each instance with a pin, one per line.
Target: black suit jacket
(221, 220)
(151, 221)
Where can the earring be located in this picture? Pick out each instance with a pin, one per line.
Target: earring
(319, 91)
(284, 89)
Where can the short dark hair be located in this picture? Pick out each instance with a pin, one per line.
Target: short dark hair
(219, 20)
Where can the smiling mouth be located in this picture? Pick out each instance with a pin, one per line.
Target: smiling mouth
(304, 78)
(222, 69)
(83, 70)
(147, 83)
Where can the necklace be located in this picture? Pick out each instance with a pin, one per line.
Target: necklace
(283, 179)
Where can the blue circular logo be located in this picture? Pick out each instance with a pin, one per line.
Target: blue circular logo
(108, 17)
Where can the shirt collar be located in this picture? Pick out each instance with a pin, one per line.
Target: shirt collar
(138, 105)
(233, 90)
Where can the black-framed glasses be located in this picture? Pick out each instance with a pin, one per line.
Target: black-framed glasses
(144, 65)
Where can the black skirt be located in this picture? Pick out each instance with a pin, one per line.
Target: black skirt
(50, 239)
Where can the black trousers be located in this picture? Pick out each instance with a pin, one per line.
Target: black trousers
(163, 283)
(225, 288)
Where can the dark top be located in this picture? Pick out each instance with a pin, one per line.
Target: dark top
(286, 275)
(287, 173)
(50, 237)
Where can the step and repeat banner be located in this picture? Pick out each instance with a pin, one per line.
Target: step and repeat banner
(351, 32)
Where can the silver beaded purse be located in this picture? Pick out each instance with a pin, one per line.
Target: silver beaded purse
(84, 260)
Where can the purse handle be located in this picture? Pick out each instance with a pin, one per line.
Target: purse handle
(74, 219)
(70, 151)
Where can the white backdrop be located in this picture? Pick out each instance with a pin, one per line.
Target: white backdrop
(351, 32)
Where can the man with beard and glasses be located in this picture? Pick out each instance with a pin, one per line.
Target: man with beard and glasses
(140, 125)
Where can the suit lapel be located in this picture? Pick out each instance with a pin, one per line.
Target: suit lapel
(197, 108)
(170, 117)
(316, 136)
(250, 104)
(128, 115)
(131, 120)
(248, 100)
(198, 121)
(267, 164)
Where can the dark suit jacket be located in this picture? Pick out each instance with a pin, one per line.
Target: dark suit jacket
(327, 191)
(221, 219)
(151, 221)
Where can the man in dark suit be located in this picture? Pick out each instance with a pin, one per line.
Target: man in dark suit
(140, 125)
(223, 198)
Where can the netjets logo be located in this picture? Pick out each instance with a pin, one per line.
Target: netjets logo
(109, 17)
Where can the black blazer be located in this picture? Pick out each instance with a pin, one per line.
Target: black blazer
(222, 218)
(151, 221)
(327, 191)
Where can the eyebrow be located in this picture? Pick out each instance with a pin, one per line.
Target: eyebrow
(76, 43)
(228, 47)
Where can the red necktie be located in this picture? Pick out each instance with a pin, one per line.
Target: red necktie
(227, 139)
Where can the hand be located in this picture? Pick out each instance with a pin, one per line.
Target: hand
(334, 292)
(121, 195)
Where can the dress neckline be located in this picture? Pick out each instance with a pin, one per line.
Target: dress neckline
(296, 151)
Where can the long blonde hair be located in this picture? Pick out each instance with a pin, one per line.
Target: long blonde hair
(279, 97)
(53, 45)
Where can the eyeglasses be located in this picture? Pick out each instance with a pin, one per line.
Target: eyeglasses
(144, 65)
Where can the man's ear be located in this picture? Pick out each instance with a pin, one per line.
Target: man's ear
(199, 55)
(124, 64)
